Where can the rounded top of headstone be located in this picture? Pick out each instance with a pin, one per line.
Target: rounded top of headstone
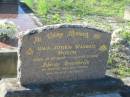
(57, 26)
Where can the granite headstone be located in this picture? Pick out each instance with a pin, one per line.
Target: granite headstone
(61, 53)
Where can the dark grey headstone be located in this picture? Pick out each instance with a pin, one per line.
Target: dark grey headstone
(61, 53)
(8, 8)
(9, 1)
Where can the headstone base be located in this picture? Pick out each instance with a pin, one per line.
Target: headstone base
(12, 88)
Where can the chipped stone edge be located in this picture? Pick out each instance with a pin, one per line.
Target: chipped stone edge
(64, 25)
(44, 28)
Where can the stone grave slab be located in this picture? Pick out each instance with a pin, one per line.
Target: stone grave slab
(11, 87)
(63, 52)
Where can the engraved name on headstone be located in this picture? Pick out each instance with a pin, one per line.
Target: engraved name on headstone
(62, 53)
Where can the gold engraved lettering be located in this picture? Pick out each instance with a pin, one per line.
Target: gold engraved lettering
(50, 65)
(29, 51)
(62, 47)
(74, 33)
(37, 40)
(44, 48)
(74, 63)
(81, 46)
(71, 52)
(54, 35)
(56, 58)
(103, 48)
(66, 69)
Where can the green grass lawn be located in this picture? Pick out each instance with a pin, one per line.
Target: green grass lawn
(79, 7)
(62, 11)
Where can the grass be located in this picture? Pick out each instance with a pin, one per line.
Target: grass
(80, 7)
(126, 36)
(29, 3)
(68, 11)
(122, 71)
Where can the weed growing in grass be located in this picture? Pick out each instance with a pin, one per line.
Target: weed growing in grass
(41, 7)
(69, 18)
(126, 36)
(56, 18)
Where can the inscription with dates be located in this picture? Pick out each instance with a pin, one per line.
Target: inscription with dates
(63, 54)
